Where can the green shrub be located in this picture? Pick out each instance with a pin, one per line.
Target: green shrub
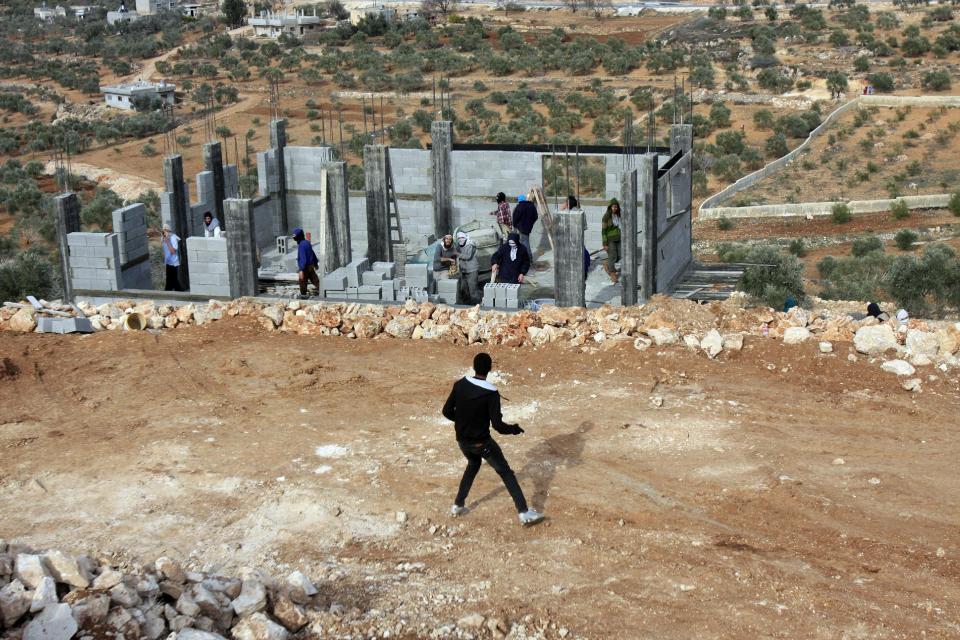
(27, 274)
(905, 239)
(866, 244)
(930, 281)
(724, 223)
(732, 252)
(148, 150)
(900, 210)
(954, 204)
(774, 277)
(826, 266)
(798, 247)
(856, 278)
(840, 213)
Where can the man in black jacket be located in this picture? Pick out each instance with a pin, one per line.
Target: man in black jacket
(473, 405)
(524, 217)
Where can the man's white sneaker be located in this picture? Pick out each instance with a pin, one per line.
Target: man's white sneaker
(457, 511)
(530, 516)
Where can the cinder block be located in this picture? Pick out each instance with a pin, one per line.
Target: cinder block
(335, 281)
(448, 286)
(354, 269)
(337, 294)
(352, 292)
(371, 278)
(388, 269)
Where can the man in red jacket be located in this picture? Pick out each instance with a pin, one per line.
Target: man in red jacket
(473, 405)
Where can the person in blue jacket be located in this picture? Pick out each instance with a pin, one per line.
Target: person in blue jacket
(511, 261)
(307, 262)
(524, 217)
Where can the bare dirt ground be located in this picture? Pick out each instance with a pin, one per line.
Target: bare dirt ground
(778, 493)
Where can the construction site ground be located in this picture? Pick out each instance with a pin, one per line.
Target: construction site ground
(772, 493)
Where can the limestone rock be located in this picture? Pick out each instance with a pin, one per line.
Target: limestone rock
(826, 347)
(124, 595)
(107, 579)
(155, 322)
(207, 601)
(24, 320)
(911, 384)
(899, 367)
(922, 342)
(185, 313)
(471, 621)
(948, 338)
(401, 327)
(367, 327)
(170, 570)
(796, 335)
(91, 610)
(274, 314)
(259, 627)
(252, 598)
(920, 360)
(66, 569)
(329, 318)
(874, 339)
(195, 634)
(55, 622)
(301, 589)
(170, 322)
(292, 616)
(733, 342)
(14, 602)
(692, 342)
(712, 343)
(662, 336)
(44, 594)
(154, 626)
(640, 343)
(30, 569)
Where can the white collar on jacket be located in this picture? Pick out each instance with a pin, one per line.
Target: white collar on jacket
(483, 384)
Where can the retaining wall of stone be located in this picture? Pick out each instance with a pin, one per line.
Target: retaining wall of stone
(936, 201)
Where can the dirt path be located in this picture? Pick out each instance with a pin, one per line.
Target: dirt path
(779, 493)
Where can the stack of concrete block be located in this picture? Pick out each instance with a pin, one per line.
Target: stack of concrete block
(388, 269)
(501, 296)
(368, 292)
(334, 284)
(95, 261)
(207, 262)
(419, 275)
(371, 278)
(130, 225)
(390, 289)
(416, 294)
(447, 290)
(355, 271)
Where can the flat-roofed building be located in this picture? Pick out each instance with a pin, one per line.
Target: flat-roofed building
(124, 96)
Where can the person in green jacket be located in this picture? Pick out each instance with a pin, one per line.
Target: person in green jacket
(610, 232)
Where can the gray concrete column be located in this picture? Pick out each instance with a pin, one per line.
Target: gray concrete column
(213, 162)
(379, 248)
(338, 218)
(68, 221)
(568, 275)
(441, 161)
(628, 237)
(278, 140)
(241, 247)
(647, 223)
(179, 222)
(681, 138)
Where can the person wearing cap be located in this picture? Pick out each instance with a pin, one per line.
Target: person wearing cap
(444, 258)
(524, 217)
(307, 262)
(469, 269)
(504, 219)
(171, 258)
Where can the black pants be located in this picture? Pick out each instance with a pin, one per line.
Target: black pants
(489, 451)
(173, 280)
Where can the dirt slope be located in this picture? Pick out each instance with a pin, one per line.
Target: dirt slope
(725, 512)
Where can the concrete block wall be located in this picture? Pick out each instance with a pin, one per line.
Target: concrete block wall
(231, 181)
(95, 261)
(130, 225)
(304, 173)
(674, 223)
(207, 260)
(264, 216)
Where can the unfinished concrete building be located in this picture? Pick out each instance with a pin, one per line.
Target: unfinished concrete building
(376, 244)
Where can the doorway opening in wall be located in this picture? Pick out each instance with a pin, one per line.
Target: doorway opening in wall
(571, 174)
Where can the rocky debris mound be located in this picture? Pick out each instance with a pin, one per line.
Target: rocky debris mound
(54, 596)
(712, 329)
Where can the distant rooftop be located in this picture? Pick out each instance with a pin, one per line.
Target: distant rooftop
(139, 86)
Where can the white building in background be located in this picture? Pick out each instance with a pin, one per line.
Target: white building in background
(121, 96)
(49, 13)
(271, 25)
(82, 11)
(121, 15)
(360, 12)
(150, 7)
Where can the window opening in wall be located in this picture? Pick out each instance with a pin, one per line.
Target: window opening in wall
(561, 172)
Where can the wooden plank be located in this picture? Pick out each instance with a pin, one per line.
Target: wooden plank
(543, 210)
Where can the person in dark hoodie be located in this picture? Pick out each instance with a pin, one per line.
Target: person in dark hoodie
(307, 262)
(510, 263)
(524, 217)
(473, 407)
